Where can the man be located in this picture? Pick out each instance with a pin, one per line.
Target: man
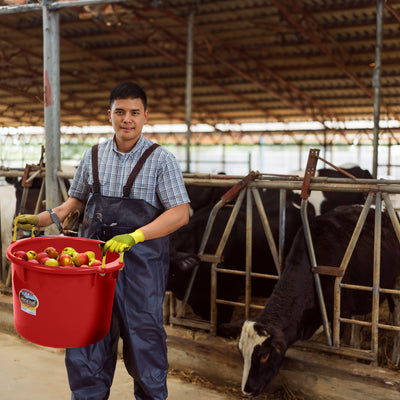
(132, 203)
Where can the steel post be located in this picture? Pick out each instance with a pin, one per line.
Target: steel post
(313, 262)
(51, 67)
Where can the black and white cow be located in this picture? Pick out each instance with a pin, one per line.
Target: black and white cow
(292, 312)
(185, 244)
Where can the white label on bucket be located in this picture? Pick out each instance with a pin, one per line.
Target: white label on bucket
(29, 302)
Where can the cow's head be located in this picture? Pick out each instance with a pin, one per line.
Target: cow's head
(262, 351)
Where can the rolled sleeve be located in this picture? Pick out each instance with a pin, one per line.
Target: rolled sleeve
(171, 188)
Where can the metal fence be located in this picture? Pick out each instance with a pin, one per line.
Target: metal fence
(376, 189)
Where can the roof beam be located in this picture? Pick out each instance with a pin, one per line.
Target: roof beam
(295, 94)
(306, 24)
(175, 59)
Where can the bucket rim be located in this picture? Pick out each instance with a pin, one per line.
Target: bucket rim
(63, 270)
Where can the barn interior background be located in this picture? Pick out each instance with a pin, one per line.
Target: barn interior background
(233, 85)
(271, 76)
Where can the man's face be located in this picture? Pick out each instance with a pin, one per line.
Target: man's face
(127, 117)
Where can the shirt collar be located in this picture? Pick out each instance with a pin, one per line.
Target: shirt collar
(139, 144)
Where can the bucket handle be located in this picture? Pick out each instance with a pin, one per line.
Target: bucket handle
(14, 238)
(104, 253)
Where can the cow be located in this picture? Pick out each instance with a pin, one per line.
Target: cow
(201, 196)
(334, 199)
(185, 243)
(292, 312)
(324, 201)
(7, 209)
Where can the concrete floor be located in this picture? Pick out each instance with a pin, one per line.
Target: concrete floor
(29, 371)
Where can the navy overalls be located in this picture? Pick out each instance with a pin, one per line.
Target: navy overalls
(137, 310)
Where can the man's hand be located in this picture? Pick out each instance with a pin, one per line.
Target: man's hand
(26, 221)
(122, 243)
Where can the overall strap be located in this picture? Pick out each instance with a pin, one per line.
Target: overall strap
(137, 168)
(95, 169)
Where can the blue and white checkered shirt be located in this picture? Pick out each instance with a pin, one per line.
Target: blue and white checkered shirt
(159, 182)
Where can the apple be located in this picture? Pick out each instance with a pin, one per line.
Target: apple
(68, 250)
(31, 254)
(33, 261)
(91, 254)
(51, 262)
(21, 254)
(94, 263)
(40, 256)
(65, 260)
(80, 259)
(84, 266)
(51, 251)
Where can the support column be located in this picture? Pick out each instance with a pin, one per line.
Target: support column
(51, 87)
(376, 84)
(189, 85)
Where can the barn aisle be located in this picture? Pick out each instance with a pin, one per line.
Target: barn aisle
(31, 371)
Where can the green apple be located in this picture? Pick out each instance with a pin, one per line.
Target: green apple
(31, 254)
(91, 254)
(52, 262)
(68, 250)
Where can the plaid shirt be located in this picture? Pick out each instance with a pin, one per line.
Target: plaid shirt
(159, 182)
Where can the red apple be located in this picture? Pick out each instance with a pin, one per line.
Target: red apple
(33, 261)
(51, 251)
(21, 254)
(94, 263)
(41, 255)
(65, 260)
(52, 262)
(80, 259)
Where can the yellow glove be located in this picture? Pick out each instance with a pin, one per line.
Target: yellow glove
(121, 243)
(26, 221)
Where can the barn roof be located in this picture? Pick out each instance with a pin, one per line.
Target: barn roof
(254, 60)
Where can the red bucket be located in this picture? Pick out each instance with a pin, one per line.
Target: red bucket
(62, 306)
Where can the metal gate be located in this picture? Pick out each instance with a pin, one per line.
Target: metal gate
(377, 190)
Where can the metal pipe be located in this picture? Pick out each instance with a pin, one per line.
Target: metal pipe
(220, 249)
(376, 276)
(392, 214)
(20, 8)
(282, 226)
(204, 240)
(56, 5)
(376, 83)
(267, 229)
(343, 267)
(189, 86)
(51, 66)
(81, 3)
(249, 248)
(313, 262)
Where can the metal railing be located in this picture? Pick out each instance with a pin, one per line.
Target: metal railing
(376, 189)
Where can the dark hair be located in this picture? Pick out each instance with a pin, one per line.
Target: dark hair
(128, 90)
